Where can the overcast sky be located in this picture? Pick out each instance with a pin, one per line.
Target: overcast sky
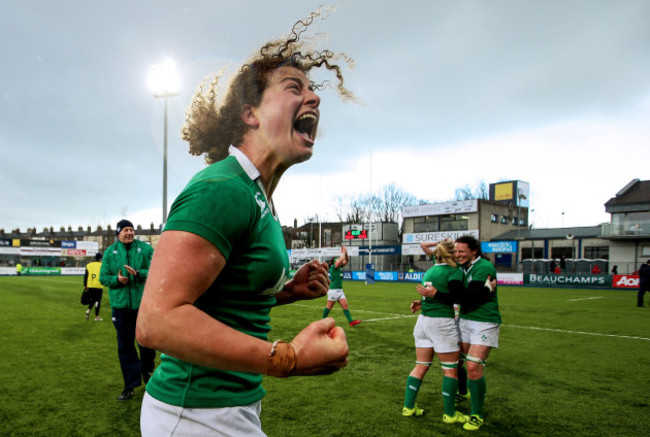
(555, 93)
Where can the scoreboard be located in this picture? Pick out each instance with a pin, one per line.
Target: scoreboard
(353, 234)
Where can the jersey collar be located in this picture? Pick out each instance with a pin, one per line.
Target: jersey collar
(469, 266)
(245, 163)
(252, 172)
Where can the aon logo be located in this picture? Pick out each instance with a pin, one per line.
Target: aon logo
(628, 282)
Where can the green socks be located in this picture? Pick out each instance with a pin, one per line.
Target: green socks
(412, 388)
(477, 389)
(346, 312)
(462, 380)
(449, 388)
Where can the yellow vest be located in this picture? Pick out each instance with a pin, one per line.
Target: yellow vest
(93, 275)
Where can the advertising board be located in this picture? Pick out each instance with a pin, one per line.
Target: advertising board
(499, 247)
(567, 281)
(625, 281)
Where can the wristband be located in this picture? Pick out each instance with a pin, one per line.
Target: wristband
(281, 361)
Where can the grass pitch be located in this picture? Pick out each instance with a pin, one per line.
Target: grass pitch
(571, 362)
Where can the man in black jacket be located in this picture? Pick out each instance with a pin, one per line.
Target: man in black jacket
(644, 282)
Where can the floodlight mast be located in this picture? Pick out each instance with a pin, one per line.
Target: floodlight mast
(164, 83)
(521, 196)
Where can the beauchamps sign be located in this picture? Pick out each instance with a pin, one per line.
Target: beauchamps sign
(568, 281)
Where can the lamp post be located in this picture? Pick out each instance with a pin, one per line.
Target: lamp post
(164, 83)
(311, 232)
(521, 196)
(530, 227)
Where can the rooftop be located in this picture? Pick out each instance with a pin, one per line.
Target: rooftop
(551, 234)
(633, 197)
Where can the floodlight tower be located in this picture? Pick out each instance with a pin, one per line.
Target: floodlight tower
(520, 196)
(164, 83)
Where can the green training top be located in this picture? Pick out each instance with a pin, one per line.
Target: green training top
(439, 275)
(488, 311)
(116, 256)
(224, 205)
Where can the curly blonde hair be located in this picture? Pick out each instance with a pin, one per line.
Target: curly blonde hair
(444, 252)
(211, 125)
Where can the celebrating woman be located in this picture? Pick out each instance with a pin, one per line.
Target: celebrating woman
(479, 323)
(221, 263)
(436, 331)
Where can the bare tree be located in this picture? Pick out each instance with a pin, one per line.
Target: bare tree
(386, 206)
(467, 193)
(464, 193)
(483, 191)
(390, 201)
(353, 209)
(314, 218)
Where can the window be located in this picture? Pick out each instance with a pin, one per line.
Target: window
(437, 223)
(527, 252)
(631, 223)
(454, 222)
(327, 237)
(558, 252)
(426, 224)
(597, 252)
(494, 218)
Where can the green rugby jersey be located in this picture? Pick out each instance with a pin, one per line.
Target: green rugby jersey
(440, 275)
(336, 277)
(474, 277)
(224, 205)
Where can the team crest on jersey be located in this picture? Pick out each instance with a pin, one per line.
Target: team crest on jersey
(264, 209)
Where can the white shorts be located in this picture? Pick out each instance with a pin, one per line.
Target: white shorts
(481, 333)
(439, 333)
(335, 294)
(158, 419)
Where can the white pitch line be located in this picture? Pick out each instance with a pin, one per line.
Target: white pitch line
(355, 310)
(577, 332)
(586, 298)
(407, 316)
(389, 318)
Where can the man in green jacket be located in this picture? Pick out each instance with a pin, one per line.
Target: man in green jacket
(124, 271)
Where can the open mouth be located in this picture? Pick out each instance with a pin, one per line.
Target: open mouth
(306, 126)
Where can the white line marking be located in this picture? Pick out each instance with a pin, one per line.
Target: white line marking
(577, 332)
(397, 315)
(389, 318)
(586, 298)
(535, 328)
